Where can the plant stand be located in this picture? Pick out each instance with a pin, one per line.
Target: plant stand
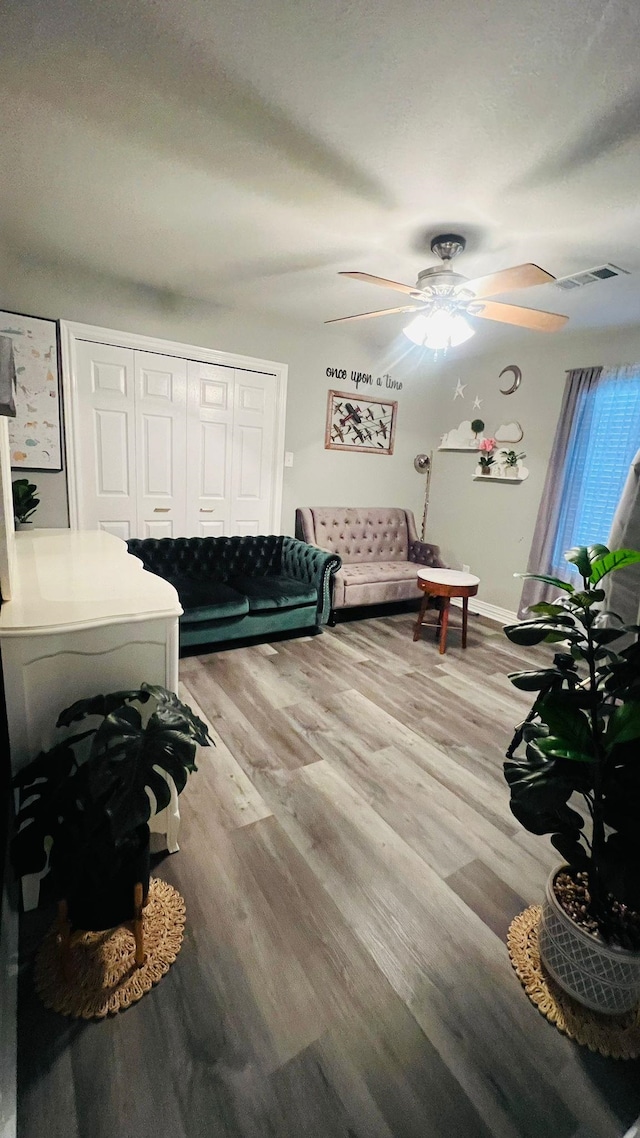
(616, 1037)
(90, 975)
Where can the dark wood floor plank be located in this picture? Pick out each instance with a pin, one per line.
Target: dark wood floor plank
(487, 894)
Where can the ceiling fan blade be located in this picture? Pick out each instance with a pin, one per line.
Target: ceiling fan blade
(378, 312)
(519, 276)
(513, 314)
(383, 282)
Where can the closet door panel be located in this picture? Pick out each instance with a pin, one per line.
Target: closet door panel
(209, 447)
(161, 393)
(105, 394)
(253, 452)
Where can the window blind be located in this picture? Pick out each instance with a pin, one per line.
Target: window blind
(604, 439)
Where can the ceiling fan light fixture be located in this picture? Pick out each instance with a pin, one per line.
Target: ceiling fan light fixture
(440, 329)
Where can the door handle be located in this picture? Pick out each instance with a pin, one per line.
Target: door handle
(205, 511)
(162, 509)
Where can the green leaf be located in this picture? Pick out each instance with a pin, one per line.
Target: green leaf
(539, 680)
(624, 724)
(540, 788)
(565, 720)
(619, 559)
(557, 748)
(547, 608)
(546, 580)
(531, 632)
(603, 636)
(571, 849)
(99, 705)
(597, 552)
(579, 556)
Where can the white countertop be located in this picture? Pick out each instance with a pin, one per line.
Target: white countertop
(72, 579)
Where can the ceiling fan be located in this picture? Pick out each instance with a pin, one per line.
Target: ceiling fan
(443, 299)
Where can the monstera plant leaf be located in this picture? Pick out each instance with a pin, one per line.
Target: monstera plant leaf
(127, 757)
(85, 805)
(101, 705)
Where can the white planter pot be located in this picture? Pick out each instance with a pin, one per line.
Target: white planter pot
(600, 976)
(512, 471)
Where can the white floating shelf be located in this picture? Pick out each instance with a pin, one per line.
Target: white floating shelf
(522, 474)
(495, 478)
(462, 450)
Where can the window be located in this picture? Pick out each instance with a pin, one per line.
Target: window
(604, 438)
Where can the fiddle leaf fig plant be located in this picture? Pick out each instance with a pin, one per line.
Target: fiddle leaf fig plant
(580, 744)
(82, 801)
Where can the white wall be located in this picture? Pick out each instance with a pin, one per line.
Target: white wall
(319, 476)
(489, 526)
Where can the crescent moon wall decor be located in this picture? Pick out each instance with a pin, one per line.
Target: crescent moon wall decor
(517, 379)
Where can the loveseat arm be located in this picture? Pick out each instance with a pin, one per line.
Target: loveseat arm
(424, 554)
(314, 566)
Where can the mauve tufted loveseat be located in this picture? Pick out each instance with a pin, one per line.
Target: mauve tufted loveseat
(378, 547)
(232, 587)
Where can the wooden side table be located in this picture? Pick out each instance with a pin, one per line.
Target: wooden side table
(445, 583)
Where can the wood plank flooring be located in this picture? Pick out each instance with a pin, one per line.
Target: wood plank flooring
(350, 867)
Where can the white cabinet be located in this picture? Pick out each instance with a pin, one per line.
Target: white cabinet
(165, 446)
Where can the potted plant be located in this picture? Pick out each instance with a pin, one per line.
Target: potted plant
(486, 459)
(477, 427)
(84, 806)
(510, 462)
(573, 770)
(25, 502)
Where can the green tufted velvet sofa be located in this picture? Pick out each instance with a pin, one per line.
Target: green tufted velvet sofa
(231, 587)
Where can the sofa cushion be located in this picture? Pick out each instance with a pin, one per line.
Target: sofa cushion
(275, 592)
(208, 600)
(362, 533)
(375, 572)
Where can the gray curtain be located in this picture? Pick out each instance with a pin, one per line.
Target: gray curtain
(623, 587)
(579, 381)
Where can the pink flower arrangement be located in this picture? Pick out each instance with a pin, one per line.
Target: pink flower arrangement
(487, 445)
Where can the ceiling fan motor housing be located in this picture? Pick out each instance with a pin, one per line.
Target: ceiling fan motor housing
(439, 281)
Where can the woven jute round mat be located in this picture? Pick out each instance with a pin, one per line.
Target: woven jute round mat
(617, 1037)
(103, 977)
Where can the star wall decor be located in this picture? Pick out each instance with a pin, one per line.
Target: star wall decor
(477, 403)
(460, 386)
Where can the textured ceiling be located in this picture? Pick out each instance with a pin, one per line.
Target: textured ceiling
(244, 152)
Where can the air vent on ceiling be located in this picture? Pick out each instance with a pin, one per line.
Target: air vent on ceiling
(601, 273)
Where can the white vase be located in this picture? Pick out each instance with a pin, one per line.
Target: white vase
(603, 977)
(512, 471)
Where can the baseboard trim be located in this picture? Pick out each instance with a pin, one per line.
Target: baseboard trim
(492, 612)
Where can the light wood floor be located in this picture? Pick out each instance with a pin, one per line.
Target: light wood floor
(350, 868)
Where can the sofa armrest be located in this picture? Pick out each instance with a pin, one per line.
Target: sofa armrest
(424, 554)
(314, 566)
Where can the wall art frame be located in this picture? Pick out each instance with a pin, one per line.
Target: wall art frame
(35, 435)
(367, 426)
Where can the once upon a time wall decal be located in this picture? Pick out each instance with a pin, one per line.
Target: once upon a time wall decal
(366, 425)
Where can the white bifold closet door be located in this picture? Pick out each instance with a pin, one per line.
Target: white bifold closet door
(230, 442)
(161, 444)
(172, 447)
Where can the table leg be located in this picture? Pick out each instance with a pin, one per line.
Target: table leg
(465, 609)
(423, 608)
(444, 625)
